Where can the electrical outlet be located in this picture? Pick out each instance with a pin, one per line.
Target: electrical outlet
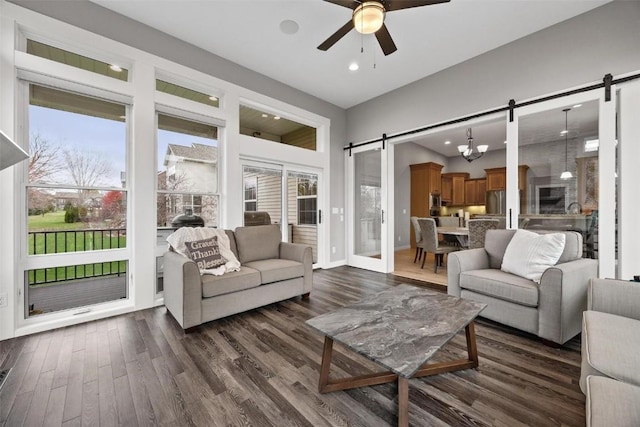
(3, 300)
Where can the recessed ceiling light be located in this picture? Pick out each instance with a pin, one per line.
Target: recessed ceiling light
(289, 27)
(115, 68)
(353, 66)
(265, 115)
(276, 117)
(213, 98)
(447, 142)
(564, 132)
(505, 142)
(577, 106)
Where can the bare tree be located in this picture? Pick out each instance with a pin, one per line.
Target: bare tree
(86, 169)
(44, 162)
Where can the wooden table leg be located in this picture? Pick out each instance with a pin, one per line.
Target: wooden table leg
(403, 402)
(326, 364)
(472, 350)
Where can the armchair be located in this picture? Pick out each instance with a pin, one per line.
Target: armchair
(551, 309)
(610, 370)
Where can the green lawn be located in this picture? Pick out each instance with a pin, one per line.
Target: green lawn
(70, 237)
(52, 221)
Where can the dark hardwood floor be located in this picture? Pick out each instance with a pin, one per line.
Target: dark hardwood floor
(261, 368)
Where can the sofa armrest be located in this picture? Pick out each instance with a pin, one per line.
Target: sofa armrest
(182, 289)
(563, 298)
(457, 262)
(301, 253)
(615, 297)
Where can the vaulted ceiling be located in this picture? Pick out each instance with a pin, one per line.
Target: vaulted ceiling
(279, 38)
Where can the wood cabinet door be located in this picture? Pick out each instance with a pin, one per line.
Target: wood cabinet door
(481, 192)
(459, 191)
(497, 180)
(447, 189)
(470, 188)
(434, 179)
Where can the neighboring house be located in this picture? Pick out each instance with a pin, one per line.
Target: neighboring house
(62, 198)
(191, 174)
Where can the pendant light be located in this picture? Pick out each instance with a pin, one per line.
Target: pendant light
(467, 151)
(566, 174)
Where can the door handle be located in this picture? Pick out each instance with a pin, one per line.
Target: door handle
(319, 216)
(382, 216)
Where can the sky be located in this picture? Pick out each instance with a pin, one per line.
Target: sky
(98, 137)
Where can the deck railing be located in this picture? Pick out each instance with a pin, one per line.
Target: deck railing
(51, 242)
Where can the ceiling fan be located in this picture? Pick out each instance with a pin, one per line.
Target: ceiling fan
(368, 17)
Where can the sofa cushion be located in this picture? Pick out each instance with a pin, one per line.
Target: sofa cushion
(611, 347)
(612, 403)
(501, 285)
(232, 281)
(258, 242)
(275, 270)
(529, 254)
(495, 243)
(232, 242)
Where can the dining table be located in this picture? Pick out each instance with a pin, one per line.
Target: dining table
(460, 233)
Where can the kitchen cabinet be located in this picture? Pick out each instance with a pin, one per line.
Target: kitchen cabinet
(497, 178)
(425, 179)
(457, 180)
(475, 191)
(447, 189)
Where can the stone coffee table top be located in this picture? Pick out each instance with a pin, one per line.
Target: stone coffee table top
(400, 328)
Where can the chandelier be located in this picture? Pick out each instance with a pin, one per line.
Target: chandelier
(567, 173)
(467, 151)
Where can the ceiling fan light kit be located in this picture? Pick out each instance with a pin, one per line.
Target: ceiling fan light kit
(368, 17)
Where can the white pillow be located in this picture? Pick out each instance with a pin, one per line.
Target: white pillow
(529, 254)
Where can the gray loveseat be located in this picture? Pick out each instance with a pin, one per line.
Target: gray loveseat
(610, 374)
(551, 310)
(270, 271)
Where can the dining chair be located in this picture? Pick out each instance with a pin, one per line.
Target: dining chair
(418, 234)
(430, 241)
(478, 229)
(449, 221)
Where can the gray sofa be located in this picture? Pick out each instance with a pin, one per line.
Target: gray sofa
(610, 372)
(551, 310)
(270, 271)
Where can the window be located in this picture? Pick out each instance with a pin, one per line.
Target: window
(251, 194)
(76, 200)
(307, 201)
(187, 170)
(265, 125)
(186, 93)
(75, 60)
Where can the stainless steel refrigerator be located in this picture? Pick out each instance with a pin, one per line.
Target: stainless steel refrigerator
(496, 202)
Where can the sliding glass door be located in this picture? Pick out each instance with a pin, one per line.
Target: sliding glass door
(561, 171)
(285, 195)
(368, 219)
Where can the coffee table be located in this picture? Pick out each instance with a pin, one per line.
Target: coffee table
(401, 329)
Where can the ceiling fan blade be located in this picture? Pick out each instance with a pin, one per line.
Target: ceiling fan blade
(385, 40)
(336, 36)
(391, 5)
(351, 4)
